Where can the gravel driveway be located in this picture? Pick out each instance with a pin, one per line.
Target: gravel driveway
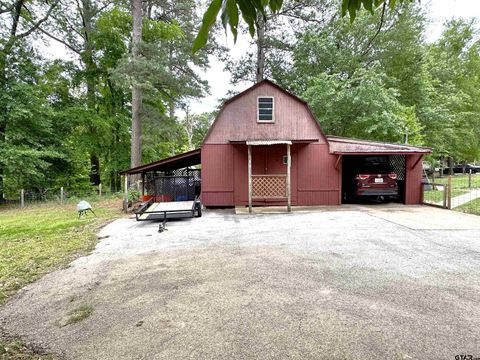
(355, 282)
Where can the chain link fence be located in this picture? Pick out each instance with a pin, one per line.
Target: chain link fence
(459, 192)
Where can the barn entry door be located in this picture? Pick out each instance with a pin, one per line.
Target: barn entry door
(269, 160)
(269, 173)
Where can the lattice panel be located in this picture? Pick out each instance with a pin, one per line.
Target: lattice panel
(269, 186)
(397, 164)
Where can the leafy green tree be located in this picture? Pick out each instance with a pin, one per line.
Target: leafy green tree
(30, 145)
(19, 19)
(450, 110)
(254, 14)
(196, 127)
(360, 106)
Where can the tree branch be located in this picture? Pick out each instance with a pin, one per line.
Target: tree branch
(59, 40)
(39, 22)
(5, 9)
(370, 43)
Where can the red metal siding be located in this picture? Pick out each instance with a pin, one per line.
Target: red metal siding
(314, 178)
(413, 181)
(238, 119)
(240, 170)
(217, 198)
(319, 183)
(320, 197)
(217, 175)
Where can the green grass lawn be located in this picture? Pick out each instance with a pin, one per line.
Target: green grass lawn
(42, 238)
(460, 185)
(437, 195)
(472, 207)
(459, 181)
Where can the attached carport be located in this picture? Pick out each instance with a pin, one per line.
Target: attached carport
(403, 159)
(175, 178)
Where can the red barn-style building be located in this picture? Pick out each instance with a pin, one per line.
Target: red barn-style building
(266, 147)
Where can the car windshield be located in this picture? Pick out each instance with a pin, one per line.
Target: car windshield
(376, 164)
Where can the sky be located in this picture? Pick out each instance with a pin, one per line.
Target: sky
(438, 12)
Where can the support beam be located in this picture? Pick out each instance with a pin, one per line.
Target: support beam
(143, 183)
(289, 183)
(249, 178)
(338, 161)
(416, 162)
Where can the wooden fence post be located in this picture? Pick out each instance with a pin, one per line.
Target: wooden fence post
(470, 179)
(449, 192)
(100, 189)
(61, 195)
(22, 198)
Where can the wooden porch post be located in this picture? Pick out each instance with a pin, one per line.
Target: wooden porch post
(289, 192)
(143, 183)
(249, 178)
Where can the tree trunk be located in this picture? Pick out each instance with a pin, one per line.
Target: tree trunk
(188, 123)
(260, 48)
(94, 170)
(450, 165)
(171, 109)
(3, 117)
(90, 73)
(136, 143)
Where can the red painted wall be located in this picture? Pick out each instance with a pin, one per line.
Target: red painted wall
(413, 180)
(217, 175)
(237, 121)
(319, 183)
(315, 181)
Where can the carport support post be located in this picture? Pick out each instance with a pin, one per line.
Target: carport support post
(289, 192)
(250, 178)
(125, 200)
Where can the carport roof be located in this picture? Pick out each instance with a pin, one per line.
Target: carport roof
(347, 146)
(189, 158)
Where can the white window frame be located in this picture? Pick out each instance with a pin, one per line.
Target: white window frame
(273, 109)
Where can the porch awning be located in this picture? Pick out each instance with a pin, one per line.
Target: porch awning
(268, 142)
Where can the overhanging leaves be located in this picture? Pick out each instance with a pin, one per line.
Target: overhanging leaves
(208, 20)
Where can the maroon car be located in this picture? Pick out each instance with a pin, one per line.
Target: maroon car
(377, 184)
(374, 178)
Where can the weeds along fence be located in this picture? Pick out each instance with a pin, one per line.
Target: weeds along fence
(25, 197)
(459, 192)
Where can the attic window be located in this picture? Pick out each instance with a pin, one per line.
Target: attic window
(265, 109)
